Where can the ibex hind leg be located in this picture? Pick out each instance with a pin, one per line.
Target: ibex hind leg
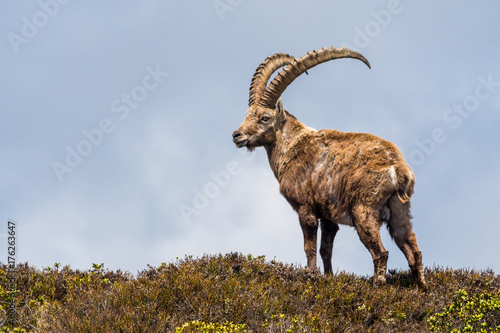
(401, 230)
(367, 223)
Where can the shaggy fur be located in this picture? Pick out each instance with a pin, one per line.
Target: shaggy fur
(335, 178)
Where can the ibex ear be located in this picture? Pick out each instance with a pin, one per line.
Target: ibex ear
(280, 112)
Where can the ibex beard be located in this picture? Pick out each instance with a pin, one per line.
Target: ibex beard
(331, 177)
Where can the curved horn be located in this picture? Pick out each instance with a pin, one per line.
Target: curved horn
(286, 76)
(264, 72)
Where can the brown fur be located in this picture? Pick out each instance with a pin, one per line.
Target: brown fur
(330, 177)
(337, 178)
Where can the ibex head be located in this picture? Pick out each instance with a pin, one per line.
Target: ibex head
(265, 113)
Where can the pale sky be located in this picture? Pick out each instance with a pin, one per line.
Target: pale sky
(117, 119)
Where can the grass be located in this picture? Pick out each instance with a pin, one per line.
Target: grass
(237, 293)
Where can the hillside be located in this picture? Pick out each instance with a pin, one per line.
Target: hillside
(237, 293)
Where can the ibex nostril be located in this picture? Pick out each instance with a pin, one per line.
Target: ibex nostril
(236, 134)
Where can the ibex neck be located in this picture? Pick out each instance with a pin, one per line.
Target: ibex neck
(286, 145)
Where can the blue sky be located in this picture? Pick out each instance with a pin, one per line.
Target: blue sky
(117, 120)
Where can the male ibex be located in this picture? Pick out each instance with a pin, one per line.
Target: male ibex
(355, 179)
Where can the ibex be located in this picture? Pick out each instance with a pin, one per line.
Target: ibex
(333, 177)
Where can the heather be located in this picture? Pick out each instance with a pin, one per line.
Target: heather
(242, 293)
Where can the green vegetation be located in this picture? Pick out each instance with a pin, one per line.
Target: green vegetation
(479, 313)
(237, 293)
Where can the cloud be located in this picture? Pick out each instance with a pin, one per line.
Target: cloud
(120, 205)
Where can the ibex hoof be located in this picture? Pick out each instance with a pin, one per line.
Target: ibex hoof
(379, 280)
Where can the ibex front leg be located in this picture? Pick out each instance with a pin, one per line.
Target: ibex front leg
(328, 232)
(309, 225)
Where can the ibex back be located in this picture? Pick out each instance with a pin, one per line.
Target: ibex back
(331, 177)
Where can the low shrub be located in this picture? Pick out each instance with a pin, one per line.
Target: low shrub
(238, 293)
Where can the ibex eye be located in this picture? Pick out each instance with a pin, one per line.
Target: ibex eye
(265, 119)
